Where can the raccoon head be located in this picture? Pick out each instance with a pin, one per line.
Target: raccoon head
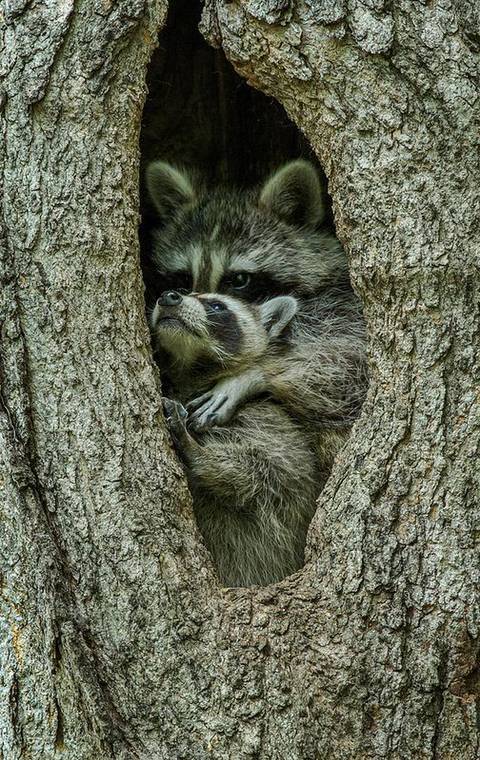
(217, 331)
(249, 244)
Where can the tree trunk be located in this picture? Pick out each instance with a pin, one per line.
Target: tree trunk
(116, 641)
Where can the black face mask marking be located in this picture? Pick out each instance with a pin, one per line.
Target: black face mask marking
(259, 287)
(223, 325)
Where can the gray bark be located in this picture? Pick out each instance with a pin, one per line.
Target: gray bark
(116, 641)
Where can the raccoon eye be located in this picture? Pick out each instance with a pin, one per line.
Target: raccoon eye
(217, 306)
(240, 280)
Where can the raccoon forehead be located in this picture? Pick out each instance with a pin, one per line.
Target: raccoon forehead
(173, 257)
(220, 216)
(226, 235)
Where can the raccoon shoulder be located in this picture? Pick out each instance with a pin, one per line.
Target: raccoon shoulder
(322, 378)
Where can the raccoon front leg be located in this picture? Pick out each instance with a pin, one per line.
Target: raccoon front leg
(254, 485)
(217, 406)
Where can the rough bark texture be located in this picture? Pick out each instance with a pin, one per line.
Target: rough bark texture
(116, 641)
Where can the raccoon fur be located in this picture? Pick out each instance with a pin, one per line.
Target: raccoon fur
(255, 481)
(255, 245)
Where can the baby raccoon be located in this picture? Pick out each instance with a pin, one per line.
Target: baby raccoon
(255, 245)
(254, 482)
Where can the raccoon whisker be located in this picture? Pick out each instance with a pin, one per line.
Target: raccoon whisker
(222, 356)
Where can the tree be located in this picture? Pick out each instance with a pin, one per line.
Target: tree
(116, 641)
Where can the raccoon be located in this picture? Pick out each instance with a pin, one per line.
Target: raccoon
(255, 481)
(255, 245)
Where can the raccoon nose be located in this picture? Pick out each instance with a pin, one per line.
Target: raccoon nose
(170, 298)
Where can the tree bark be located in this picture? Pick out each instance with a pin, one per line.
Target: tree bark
(116, 640)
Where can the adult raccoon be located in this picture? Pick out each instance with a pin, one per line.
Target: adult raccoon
(255, 481)
(254, 245)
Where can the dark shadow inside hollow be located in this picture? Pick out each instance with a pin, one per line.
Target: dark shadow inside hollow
(200, 113)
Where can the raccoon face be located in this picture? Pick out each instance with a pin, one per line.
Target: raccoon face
(252, 244)
(217, 329)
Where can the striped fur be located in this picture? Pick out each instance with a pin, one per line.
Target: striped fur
(214, 233)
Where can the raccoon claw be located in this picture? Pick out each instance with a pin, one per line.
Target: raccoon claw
(196, 402)
(208, 414)
(176, 416)
(173, 409)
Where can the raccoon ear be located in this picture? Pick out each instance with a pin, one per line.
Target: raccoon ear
(294, 195)
(168, 187)
(277, 313)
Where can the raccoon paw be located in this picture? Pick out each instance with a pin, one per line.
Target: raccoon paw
(204, 411)
(217, 407)
(174, 410)
(176, 418)
(214, 408)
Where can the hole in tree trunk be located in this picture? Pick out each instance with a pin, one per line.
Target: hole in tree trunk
(202, 116)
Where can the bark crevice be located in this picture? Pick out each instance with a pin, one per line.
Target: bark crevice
(371, 650)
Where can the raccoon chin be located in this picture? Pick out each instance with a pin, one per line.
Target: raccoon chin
(177, 325)
(177, 339)
(169, 323)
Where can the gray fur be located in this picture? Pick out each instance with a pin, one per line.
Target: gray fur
(254, 483)
(322, 378)
(224, 230)
(319, 376)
